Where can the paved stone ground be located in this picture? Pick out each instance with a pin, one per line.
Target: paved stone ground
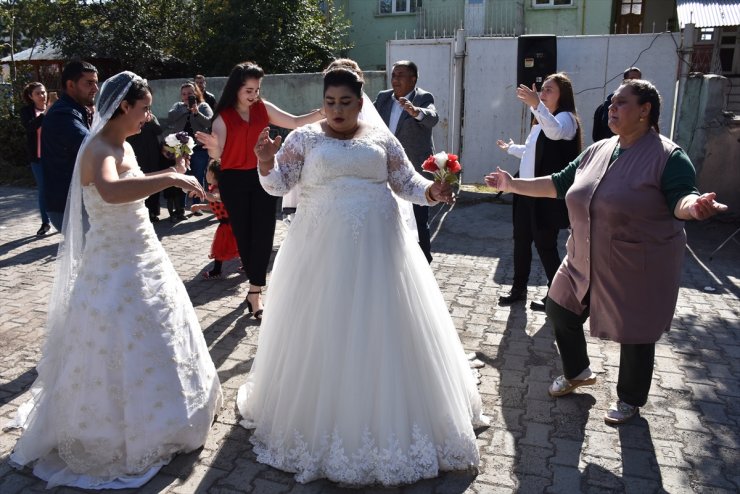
(686, 439)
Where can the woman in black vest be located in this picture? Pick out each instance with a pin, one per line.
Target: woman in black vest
(554, 141)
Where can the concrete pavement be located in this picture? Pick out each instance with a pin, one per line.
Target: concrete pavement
(686, 439)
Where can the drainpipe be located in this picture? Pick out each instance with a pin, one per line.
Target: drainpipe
(457, 99)
(684, 56)
(583, 17)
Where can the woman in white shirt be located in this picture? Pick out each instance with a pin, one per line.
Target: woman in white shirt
(554, 141)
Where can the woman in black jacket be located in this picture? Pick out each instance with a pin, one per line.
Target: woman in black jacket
(34, 94)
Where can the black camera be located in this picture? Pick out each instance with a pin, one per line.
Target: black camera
(192, 101)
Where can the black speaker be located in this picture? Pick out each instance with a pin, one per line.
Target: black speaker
(537, 57)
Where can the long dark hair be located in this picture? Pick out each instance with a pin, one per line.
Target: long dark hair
(28, 91)
(567, 101)
(239, 75)
(646, 93)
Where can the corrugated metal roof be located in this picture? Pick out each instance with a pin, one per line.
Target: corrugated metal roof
(40, 52)
(708, 13)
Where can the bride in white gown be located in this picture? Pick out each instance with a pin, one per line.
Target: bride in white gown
(125, 380)
(359, 376)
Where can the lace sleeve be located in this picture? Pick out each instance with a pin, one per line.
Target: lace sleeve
(288, 166)
(403, 179)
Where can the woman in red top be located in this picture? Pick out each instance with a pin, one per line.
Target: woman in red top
(239, 118)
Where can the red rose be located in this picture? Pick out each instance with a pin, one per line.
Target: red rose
(451, 157)
(452, 165)
(429, 164)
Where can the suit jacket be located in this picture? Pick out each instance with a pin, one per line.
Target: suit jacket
(63, 129)
(415, 135)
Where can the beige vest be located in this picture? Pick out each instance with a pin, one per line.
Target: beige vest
(625, 248)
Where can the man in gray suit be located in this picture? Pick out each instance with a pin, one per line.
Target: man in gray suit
(410, 114)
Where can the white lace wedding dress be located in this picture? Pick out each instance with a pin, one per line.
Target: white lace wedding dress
(128, 382)
(359, 376)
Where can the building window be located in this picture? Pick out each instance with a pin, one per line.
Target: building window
(631, 7)
(551, 3)
(398, 6)
(706, 34)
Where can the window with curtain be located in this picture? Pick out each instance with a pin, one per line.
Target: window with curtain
(398, 6)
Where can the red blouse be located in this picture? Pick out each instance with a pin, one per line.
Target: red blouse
(241, 137)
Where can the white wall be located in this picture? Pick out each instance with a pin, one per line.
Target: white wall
(491, 110)
(435, 59)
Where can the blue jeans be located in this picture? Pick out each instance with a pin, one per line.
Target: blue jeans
(38, 174)
(198, 165)
(57, 220)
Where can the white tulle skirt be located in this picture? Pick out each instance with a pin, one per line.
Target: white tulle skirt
(360, 376)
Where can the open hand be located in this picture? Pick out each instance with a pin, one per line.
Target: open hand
(527, 95)
(504, 145)
(500, 180)
(208, 141)
(705, 206)
(190, 184)
(266, 148)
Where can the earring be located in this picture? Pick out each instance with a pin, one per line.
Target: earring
(642, 119)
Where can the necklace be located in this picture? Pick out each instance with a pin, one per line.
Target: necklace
(345, 135)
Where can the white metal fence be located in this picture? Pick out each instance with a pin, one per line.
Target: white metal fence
(475, 78)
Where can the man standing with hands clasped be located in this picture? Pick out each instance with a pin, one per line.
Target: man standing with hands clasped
(410, 115)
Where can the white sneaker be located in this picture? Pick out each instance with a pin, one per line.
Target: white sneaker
(620, 412)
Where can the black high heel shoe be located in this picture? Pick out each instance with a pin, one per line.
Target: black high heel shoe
(257, 315)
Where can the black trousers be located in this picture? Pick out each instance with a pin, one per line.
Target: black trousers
(421, 214)
(545, 241)
(252, 215)
(636, 361)
(152, 204)
(175, 200)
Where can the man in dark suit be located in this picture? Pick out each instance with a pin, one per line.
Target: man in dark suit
(65, 126)
(410, 114)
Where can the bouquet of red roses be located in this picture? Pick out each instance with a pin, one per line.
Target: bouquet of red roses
(443, 167)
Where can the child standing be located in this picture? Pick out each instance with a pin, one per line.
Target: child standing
(224, 246)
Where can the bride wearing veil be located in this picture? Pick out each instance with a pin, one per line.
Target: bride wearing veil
(370, 116)
(359, 376)
(125, 380)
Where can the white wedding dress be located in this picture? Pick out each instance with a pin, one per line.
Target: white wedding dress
(360, 376)
(127, 382)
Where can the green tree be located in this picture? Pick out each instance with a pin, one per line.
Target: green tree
(280, 35)
(139, 35)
